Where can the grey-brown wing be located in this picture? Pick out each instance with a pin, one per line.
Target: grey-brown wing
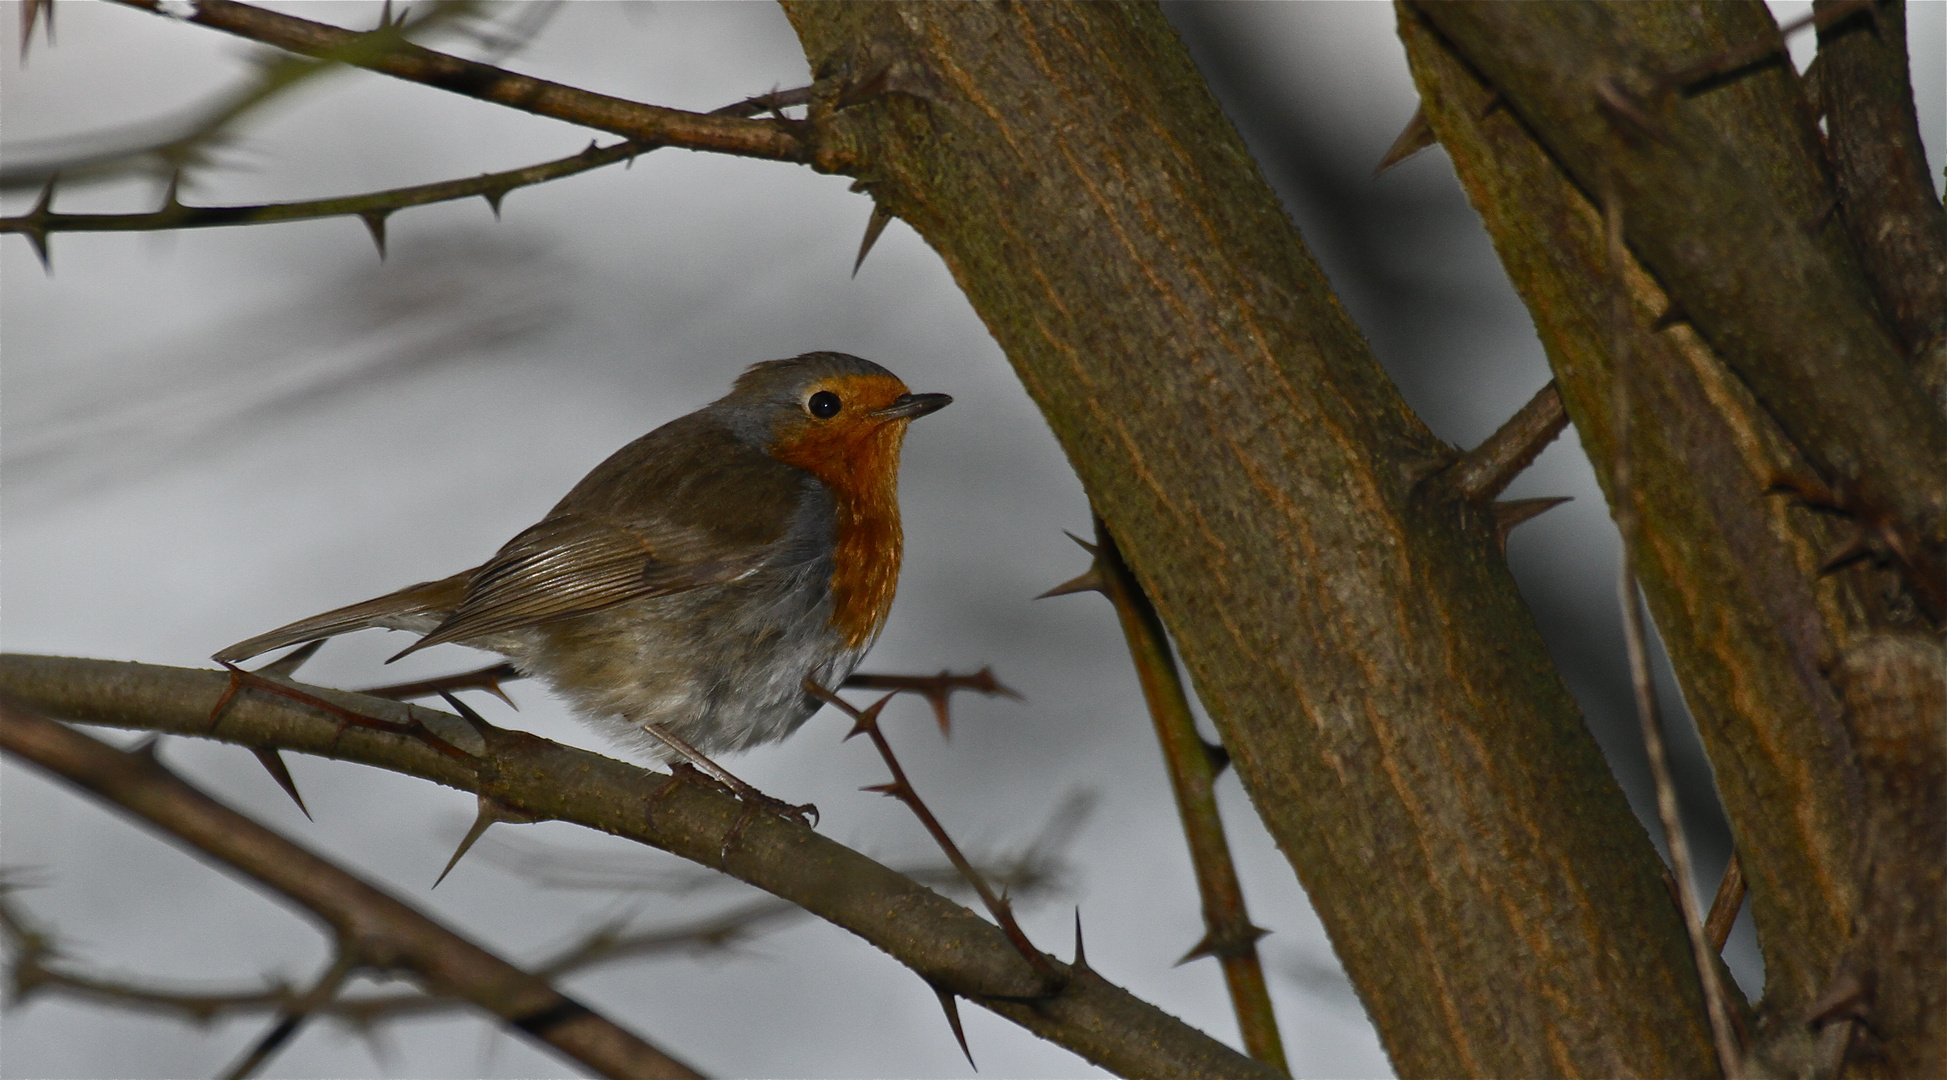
(573, 565)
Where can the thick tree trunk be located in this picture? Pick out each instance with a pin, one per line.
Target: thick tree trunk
(1346, 615)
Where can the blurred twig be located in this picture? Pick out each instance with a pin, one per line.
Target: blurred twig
(650, 125)
(111, 155)
(377, 929)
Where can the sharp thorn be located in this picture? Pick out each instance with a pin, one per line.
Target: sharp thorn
(385, 15)
(286, 666)
(1089, 580)
(1494, 101)
(375, 224)
(881, 217)
(273, 763)
(892, 789)
(493, 200)
(38, 237)
(1081, 954)
(951, 1006)
(466, 711)
(45, 203)
(490, 813)
(1092, 549)
(1415, 137)
(1204, 947)
(1671, 316)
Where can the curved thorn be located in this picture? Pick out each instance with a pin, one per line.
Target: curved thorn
(375, 224)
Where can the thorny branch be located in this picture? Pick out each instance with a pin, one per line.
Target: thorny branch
(377, 929)
(866, 722)
(38, 966)
(649, 125)
(1193, 768)
(944, 943)
(373, 207)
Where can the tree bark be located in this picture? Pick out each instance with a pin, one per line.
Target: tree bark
(1345, 614)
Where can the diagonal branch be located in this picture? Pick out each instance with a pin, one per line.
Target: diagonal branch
(1193, 767)
(650, 125)
(943, 942)
(387, 932)
(1489, 468)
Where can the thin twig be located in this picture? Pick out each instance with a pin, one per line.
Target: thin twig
(292, 1018)
(650, 125)
(389, 933)
(866, 722)
(1622, 330)
(1193, 766)
(173, 214)
(936, 689)
(1487, 470)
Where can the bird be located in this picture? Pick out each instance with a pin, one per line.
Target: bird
(685, 593)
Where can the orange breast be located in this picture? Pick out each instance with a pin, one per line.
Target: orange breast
(861, 467)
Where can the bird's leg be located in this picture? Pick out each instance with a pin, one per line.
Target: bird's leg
(752, 798)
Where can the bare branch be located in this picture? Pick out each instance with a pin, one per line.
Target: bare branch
(649, 125)
(943, 942)
(173, 214)
(385, 932)
(1489, 468)
(1193, 767)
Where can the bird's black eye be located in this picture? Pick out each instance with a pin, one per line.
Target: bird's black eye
(824, 405)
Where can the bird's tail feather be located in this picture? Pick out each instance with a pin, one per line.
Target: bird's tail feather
(415, 607)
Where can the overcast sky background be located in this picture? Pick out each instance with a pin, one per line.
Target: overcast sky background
(212, 433)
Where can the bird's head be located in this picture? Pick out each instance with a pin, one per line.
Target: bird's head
(835, 416)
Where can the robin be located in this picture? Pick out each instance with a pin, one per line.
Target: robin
(684, 592)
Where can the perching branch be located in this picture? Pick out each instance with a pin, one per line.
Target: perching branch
(943, 942)
(379, 930)
(649, 125)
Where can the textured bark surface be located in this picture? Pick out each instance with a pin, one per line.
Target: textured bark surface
(1730, 573)
(1349, 622)
(1881, 166)
(1738, 229)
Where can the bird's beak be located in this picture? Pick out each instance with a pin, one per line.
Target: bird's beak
(910, 406)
